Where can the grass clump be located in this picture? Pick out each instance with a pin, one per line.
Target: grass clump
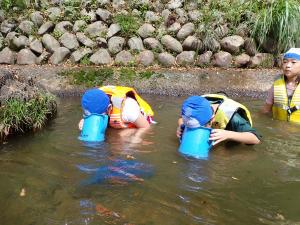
(9, 4)
(128, 23)
(127, 74)
(279, 20)
(89, 77)
(19, 116)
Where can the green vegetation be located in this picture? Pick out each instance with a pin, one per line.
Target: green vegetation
(91, 77)
(8, 4)
(128, 23)
(279, 20)
(19, 116)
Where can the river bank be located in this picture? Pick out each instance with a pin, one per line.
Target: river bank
(177, 82)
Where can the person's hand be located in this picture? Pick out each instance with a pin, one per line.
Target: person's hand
(179, 131)
(219, 135)
(80, 124)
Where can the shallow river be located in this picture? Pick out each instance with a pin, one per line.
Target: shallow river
(52, 178)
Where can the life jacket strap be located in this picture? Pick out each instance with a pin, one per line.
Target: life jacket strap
(289, 110)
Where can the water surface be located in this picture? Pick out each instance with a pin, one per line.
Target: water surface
(236, 185)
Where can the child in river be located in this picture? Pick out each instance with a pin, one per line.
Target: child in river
(284, 96)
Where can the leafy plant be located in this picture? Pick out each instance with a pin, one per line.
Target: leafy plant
(128, 23)
(8, 4)
(127, 74)
(278, 20)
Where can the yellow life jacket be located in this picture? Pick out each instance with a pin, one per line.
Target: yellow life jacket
(282, 109)
(118, 95)
(227, 108)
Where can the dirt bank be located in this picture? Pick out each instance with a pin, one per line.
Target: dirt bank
(236, 82)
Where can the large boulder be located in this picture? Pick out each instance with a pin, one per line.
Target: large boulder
(153, 44)
(26, 57)
(222, 59)
(242, 60)
(232, 44)
(145, 58)
(79, 54)
(36, 46)
(185, 31)
(186, 58)
(69, 41)
(104, 15)
(7, 26)
(116, 44)
(171, 43)
(86, 41)
(204, 59)
(101, 57)
(26, 27)
(7, 56)
(37, 18)
(46, 27)
(136, 44)
(96, 29)
(191, 43)
(124, 58)
(166, 59)
(64, 27)
(113, 30)
(146, 30)
(50, 43)
(59, 55)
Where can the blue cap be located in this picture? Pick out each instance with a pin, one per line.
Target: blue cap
(196, 108)
(293, 53)
(94, 101)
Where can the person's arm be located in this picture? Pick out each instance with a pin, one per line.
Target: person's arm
(141, 122)
(267, 107)
(219, 135)
(179, 129)
(80, 124)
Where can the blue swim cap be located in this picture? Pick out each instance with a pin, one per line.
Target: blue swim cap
(293, 53)
(94, 101)
(196, 108)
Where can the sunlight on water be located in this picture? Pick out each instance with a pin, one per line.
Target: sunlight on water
(50, 177)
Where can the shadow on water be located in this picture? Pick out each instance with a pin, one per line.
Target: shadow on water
(50, 177)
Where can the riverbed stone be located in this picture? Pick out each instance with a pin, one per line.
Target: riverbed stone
(186, 58)
(1, 41)
(222, 59)
(186, 30)
(171, 44)
(43, 58)
(242, 60)
(191, 43)
(64, 26)
(174, 28)
(145, 58)
(232, 44)
(101, 57)
(69, 41)
(151, 17)
(90, 14)
(26, 27)
(101, 42)
(7, 26)
(104, 15)
(182, 16)
(174, 4)
(19, 42)
(36, 46)
(2, 15)
(53, 13)
(146, 30)
(262, 60)
(124, 58)
(50, 43)
(79, 25)
(59, 55)
(37, 18)
(79, 54)
(153, 44)
(166, 59)
(194, 15)
(204, 59)
(86, 41)
(46, 27)
(96, 29)
(116, 44)
(103, 2)
(118, 4)
(221, 31)
(250, 46)
(7, 56)
(136, 44)
(212, 44)
(26, 57)
(113, 30)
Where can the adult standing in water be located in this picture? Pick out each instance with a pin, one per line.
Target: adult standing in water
(284, 96)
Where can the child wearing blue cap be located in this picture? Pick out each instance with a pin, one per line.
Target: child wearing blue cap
(284, 96)
(123, 105)
(229, 119)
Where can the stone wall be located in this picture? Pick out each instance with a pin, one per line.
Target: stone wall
(168, 34)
